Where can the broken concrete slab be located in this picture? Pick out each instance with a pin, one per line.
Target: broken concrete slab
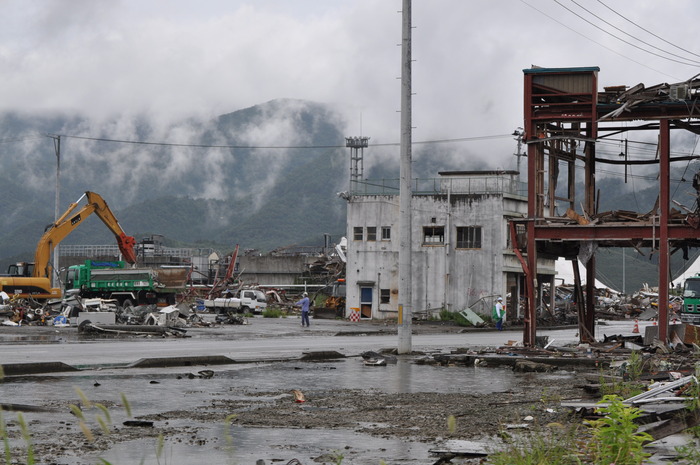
(527, 366)
(13, 369)
(181, 361)
(321, 355)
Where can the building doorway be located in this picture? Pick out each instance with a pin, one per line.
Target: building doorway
(366, 299)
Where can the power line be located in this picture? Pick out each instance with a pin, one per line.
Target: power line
(621, 39)
(646, 30)
(284, 147)
(630, 35)
(21, 139)
(598, 43)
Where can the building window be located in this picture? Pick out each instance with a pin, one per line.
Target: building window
(433, 235)
(384, 296)
(469, 237)
(357, 233)
(371, 233)
(386, 233)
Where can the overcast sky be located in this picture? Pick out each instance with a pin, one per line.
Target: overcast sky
(172, 59)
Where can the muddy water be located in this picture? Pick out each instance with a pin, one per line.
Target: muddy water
(152, 391)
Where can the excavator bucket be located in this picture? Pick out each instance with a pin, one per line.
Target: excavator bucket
(126, 247)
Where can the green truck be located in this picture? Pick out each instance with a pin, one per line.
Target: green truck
(691, 300)
(129, 286)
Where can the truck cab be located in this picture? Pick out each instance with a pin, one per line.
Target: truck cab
(691, 301)
(254, 300)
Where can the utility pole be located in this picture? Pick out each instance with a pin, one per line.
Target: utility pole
(57, 149)
(405, 191)
(518, 133)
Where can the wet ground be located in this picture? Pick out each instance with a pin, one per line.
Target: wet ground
(395, 413)
(243, 412)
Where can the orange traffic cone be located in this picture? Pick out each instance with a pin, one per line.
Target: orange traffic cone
(635, 330)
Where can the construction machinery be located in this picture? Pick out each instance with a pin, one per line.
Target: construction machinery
(33, 280)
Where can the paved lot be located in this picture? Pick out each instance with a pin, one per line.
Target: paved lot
(262, 338)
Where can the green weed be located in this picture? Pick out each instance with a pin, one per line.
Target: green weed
(688, 454)
(615, 436)
(446, 315)
(272, 313)
(552, 447)
(627, 385)
(337, 458)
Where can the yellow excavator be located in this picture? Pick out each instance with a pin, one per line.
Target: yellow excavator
(33, 280)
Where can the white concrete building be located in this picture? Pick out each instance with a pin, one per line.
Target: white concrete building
(461, 251)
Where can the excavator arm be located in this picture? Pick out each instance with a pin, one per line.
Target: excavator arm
(64, 225)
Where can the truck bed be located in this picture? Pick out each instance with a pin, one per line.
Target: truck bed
(222, 302)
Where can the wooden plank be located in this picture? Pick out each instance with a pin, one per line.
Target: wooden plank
(679, 423)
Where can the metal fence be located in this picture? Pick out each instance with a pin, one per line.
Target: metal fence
(67, 250)
(505, 184)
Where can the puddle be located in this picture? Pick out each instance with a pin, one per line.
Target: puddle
(153, 391)
(279, 445)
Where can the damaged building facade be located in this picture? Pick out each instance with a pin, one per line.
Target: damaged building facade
(566, 122)
(461, 251)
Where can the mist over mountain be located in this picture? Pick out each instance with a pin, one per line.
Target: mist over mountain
(262, 177)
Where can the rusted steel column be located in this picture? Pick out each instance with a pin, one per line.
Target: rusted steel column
(530, 327)
(589, 309)
(590, 204)
(534, 163)
(664, 200)
(533, 154)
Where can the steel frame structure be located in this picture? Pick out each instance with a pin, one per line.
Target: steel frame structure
(564, 118)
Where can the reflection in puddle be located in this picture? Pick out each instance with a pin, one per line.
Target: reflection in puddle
(278, 445)
(156, 391)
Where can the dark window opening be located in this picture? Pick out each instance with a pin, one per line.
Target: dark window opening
(433, 235)
(384, 296)
(469, 237)
(371, 233)
(357, 233)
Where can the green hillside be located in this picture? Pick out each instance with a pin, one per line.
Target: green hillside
(263, 177)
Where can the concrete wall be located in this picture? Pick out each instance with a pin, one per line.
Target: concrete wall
(273, 270)
(444, 276)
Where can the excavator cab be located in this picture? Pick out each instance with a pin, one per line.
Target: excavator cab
(23, 269)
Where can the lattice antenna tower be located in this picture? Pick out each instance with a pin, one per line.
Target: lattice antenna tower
(357, 146)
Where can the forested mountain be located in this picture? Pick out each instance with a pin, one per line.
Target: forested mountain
(237, 179)
(263, 177)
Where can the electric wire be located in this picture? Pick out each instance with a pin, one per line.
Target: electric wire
(619, 38)
(598, 43)
(630, 35)
(437, 141)
(686, 167)
(284, 147)
(646, 30)
(21, 139)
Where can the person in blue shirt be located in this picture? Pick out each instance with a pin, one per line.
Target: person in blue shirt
(304, 303)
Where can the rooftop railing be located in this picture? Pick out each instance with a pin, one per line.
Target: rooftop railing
(453, 185)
